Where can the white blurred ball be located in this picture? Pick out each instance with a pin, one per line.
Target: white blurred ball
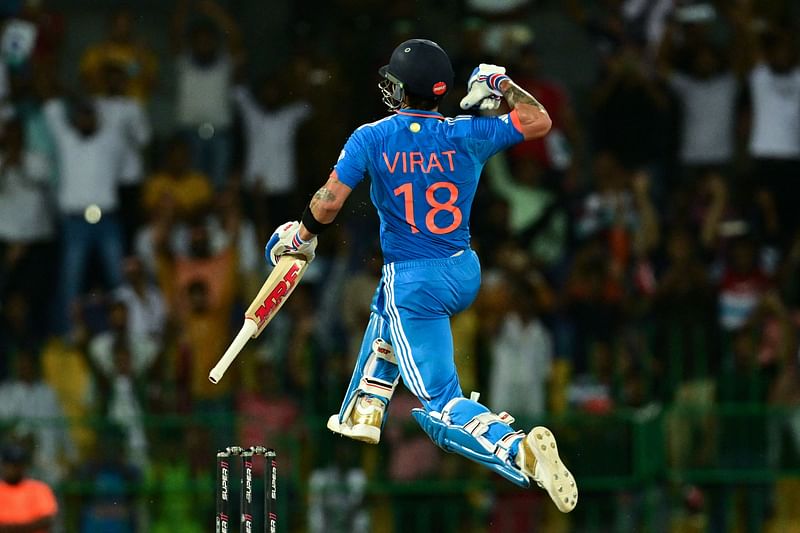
(92, 214)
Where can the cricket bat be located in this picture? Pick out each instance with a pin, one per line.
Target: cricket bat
(273, 293)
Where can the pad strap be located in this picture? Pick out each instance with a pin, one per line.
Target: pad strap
(377, 387)
(457, 439)
(503, 446)
(480, 422)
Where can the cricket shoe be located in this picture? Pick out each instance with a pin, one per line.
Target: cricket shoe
(363, 423)
(538, 459)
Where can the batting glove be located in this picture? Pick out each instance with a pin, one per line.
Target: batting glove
(483, 87)
(286, 240)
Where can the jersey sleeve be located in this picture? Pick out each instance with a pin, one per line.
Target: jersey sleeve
(352, 163)
(495, 134)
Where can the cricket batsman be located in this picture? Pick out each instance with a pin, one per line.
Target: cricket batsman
(424, 171)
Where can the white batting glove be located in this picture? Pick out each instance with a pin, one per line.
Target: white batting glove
(286, 240)
(483, 87)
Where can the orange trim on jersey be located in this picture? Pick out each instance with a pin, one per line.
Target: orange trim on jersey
(514, 116)
(437, 115)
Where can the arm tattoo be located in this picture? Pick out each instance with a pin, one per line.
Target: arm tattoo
(514, 95)
(322, 195)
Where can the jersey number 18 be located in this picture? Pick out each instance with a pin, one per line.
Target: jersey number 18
(407, 191)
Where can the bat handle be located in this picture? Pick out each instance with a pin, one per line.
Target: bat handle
(249, 329)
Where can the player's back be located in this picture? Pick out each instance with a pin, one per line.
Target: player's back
(424, 171)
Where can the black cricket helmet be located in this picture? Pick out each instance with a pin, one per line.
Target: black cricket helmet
(418, 67)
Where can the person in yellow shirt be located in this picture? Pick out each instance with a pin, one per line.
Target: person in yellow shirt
(188, 190)
(123, 48)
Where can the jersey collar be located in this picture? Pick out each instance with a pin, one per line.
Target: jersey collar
(420, 113)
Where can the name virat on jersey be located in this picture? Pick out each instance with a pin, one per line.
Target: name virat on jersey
(409, 162)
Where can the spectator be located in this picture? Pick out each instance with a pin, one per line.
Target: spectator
(684, 307)
(18, 40)
(122, 364)
(175, 199)
(308, 375)
(270, 174)
(65, 369)
(144, 303)
(620, 211)
(742, 284)
(410, 458)
(357, 293)
(536, 217)
(202, 285)
(26, 505)
(336, 494)
(205, 70)
(225, 226)
(522, 354)
(317, 77)
(686, 349)
(630, 110)
(185, 188)
(205, 335)
(269, 413)
(31, 404)
(717, 209)
(112, 482)
(561, 150)
(505, 29)
(124, 48)
(594, 302)
(214, 267)
(471, 52)
(89, 153)
(233, 228)
(26, 226)
(774, 143)
(622, 22)
(127, 115)
(49, 32)
(707, 93)
(173, 480)
(745, 380)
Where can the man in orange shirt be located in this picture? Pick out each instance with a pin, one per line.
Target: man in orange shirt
(26, 505)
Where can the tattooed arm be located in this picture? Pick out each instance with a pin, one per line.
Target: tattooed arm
(326, 203)
(534, 122)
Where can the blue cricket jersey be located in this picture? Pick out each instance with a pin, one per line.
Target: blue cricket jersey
(424, 169)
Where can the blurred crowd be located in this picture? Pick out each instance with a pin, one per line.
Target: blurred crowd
(644, 257)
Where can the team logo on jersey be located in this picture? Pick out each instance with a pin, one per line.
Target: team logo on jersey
(439, 88)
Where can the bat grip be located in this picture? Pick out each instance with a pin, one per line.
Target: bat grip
(249, 329)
